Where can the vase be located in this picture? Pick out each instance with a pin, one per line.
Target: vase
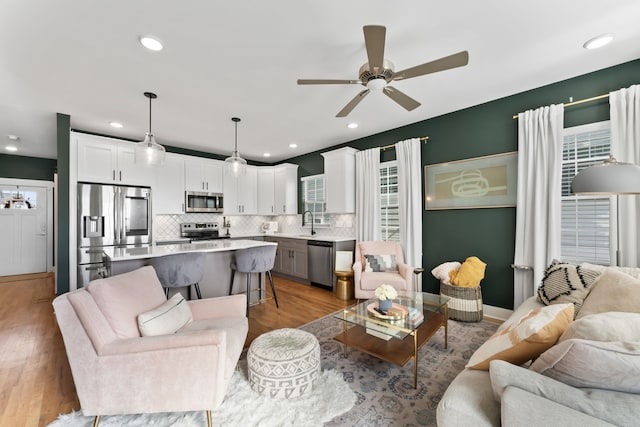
(384, 304)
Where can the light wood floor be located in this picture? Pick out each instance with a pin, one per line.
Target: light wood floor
(35, 378)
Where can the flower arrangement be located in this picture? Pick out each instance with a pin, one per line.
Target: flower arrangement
(384, 292)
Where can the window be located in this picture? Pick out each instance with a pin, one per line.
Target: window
(585, 221)
(389, 211)
(313, 200)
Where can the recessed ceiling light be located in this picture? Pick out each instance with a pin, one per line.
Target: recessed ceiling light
(151, 42)
(293, 145)
(352, 125)
(11, 148)
(267, 154)
(598, 41)
(13, 137)
(115, 124)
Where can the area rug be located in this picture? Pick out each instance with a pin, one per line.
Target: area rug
(386, 396)
(330, 396)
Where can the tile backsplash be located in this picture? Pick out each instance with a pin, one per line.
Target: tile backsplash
(167, 227)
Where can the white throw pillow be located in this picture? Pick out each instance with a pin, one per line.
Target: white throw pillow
(608, 326)
(441, 272)
(165, 319)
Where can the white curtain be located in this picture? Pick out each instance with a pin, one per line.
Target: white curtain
(368, 195)
(625, 147)
(410, 199)
(538, 200)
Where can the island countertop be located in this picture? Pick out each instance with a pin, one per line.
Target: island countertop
(146, 252)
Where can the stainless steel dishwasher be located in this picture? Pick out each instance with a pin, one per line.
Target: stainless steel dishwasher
(320, 263)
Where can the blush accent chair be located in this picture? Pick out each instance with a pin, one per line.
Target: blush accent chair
(366, 282)
(117, 371)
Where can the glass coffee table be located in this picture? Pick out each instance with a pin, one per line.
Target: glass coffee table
(414, 314)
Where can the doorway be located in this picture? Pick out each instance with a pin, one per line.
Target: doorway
(26, 226)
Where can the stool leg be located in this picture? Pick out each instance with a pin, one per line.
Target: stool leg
(197, 286)
(188, 292)
(166, 292)
(233, 275)
(248, 291)
(273, 290)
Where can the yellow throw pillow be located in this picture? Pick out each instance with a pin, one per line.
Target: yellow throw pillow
(526, 339)
(470, 274)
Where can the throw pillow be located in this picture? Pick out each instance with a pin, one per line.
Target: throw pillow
(470, 274)
(631, 271)
(379, 263)
(594, 364)
(165, 319)
(563, 283)
(614, 407)
(441, 272)
(525, 339)
(614, 291)
(610, 326)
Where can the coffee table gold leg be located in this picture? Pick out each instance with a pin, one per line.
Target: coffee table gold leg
(415, 359)
(446, 325)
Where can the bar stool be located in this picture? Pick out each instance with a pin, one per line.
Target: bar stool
(259, 259)
(180, 271)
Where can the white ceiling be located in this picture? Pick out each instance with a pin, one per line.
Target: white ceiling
(242, 58)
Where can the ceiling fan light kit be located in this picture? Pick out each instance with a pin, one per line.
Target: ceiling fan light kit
(149, 152)
(376, 74)
(235, 165)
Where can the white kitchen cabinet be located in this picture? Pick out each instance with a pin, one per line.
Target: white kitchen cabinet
(110, 161)
(291, 257)
(203, 174)
(241, 193)
(168, 186)
(286, 189)
(266, 191)
(340, 180)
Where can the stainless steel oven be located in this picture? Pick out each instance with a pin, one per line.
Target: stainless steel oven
(201, 201)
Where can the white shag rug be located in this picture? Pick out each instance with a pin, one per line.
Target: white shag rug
(330, 397)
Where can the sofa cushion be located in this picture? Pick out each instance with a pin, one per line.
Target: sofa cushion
(631, 271)
(468, 401)
(381, 263)
(371, 280)
(612, 406)
(165, 319)
(614, 291)
(584, 363)
(525, 339)
(608, 326)
(564, 283)
(121, 298)
(441, 272)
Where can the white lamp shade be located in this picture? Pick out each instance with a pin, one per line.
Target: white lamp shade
(610, 177)
(149, 152)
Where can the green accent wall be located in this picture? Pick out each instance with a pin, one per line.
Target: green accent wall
(482, 130)
(63, 122)
(23, 167)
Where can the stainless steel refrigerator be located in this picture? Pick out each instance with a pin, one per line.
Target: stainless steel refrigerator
(109, 215)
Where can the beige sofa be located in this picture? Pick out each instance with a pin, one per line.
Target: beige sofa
(118, 371)
(590, 377)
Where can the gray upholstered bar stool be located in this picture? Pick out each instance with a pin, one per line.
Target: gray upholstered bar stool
(259, 259)
(180, 271)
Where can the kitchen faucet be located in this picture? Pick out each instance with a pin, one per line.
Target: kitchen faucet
(312, 221)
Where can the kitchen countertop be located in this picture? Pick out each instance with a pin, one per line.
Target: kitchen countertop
(281, 235)
(222, 245)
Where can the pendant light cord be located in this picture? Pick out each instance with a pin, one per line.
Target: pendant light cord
(149, 114)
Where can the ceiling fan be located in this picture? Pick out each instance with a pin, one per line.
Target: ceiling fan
(379, 72)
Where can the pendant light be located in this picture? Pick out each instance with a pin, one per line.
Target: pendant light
(235, 165)
(149, 152)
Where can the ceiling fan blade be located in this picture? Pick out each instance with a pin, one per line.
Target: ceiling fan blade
(327, 82)
(452, 61)
(405, 101)
(374, 41)
(352, 104)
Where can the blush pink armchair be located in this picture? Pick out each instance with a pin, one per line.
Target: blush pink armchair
(116, 371)
(365, 282)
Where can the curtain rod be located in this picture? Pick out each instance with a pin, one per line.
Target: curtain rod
(386, 147)
(582, 101)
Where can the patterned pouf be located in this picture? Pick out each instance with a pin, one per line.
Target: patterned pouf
(283, 363)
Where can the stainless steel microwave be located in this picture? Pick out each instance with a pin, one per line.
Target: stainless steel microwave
(200, 201)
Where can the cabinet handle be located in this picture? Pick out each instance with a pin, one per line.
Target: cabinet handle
(207, 185)
(284, 208)
(120, 175)
(114, 174)
(183, 207)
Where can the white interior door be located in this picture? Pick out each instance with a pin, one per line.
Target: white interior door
(24, 228)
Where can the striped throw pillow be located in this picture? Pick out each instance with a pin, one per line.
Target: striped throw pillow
(566, 283)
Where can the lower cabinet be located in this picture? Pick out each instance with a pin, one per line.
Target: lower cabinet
(291, 257)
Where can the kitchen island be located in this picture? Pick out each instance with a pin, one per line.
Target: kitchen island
(217, 271)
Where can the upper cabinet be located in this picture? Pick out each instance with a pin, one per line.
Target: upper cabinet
(278, 189)
(340, 180)
(241, 193)
(203, 174)
(168, 186)
(110, 161)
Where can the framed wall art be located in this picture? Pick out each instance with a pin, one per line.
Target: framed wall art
(481, 182)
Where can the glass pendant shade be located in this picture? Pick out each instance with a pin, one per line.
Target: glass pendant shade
(235, 165)
(149, 152)
(608, 177)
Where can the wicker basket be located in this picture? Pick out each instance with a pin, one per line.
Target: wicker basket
(465, 303)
